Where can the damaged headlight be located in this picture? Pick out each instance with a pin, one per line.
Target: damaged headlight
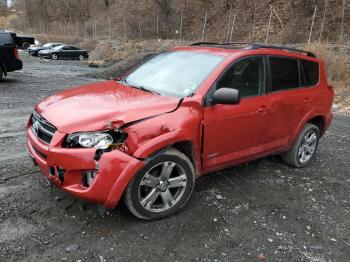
(110, 139)
(91, 139)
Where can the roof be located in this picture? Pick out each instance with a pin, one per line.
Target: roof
(226, 49)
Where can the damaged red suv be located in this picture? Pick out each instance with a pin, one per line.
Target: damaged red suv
(183, 113)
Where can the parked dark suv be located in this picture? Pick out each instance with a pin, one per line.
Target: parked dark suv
(9, 60)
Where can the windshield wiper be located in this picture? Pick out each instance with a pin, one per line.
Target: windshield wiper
(125, 82)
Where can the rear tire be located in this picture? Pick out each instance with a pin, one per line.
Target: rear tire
(1, 73)
(81, 58)
(304, 149)
(162, 187)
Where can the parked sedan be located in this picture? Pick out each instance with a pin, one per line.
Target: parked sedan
(36, 49)
(64, 52)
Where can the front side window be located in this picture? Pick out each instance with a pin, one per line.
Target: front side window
(247, 76)
(284, 73)
(175, 73)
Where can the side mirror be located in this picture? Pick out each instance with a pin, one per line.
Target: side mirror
(226, 96)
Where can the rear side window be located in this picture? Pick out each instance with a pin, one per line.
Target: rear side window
(284, 73)
(5, 39)
(311, 73)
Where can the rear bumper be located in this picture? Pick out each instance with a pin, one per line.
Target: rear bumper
(14, 65)
(115, 170)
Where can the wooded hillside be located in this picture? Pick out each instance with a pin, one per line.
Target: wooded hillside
(209, 20)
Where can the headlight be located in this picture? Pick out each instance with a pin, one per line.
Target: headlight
(90, 139)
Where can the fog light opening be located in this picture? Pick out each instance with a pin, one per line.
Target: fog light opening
(89, 177)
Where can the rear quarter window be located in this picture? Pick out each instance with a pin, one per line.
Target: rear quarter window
(311, 73)
(5, 39)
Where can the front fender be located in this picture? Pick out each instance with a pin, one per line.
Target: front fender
(160, 142)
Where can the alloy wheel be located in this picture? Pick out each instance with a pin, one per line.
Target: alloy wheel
(162, 186)
(307, 146)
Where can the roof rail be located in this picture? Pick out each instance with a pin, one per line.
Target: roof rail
(214, 43)
(254, 46)
(279, 47)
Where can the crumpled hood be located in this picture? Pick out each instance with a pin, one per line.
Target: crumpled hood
(93, 107)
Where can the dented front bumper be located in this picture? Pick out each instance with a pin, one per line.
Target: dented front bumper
(66, 168)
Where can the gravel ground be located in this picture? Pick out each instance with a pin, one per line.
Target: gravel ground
(259, 211)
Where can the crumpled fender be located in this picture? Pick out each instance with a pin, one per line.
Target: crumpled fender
(161, 142)
(125, 167)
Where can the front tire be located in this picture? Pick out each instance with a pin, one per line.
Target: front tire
(304, 149)
(162, 187)
(81, 58)
(1, 73)
(54, 56)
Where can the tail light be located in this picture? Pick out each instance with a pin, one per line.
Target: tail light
(15, 53)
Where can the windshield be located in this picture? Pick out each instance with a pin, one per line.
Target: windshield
(47, 45)
(176, 73)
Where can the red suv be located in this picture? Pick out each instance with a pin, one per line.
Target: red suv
(183, 113)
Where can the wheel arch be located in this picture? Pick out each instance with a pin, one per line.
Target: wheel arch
(317, 119)
(185, 146)
(178, 139)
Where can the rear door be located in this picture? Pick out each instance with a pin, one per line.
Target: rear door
(76, 52)
(290, 99)
(65, 52)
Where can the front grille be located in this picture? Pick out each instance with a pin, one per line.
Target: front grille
(42, 128)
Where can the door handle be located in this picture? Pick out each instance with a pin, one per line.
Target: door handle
(262, 109)
(306, 101)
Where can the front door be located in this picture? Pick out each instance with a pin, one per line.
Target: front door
(236, 132)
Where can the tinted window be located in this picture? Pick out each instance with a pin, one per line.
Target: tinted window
(5, 38)
(311, 73)
(74, 48)
(247, 76)
(284, 73)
